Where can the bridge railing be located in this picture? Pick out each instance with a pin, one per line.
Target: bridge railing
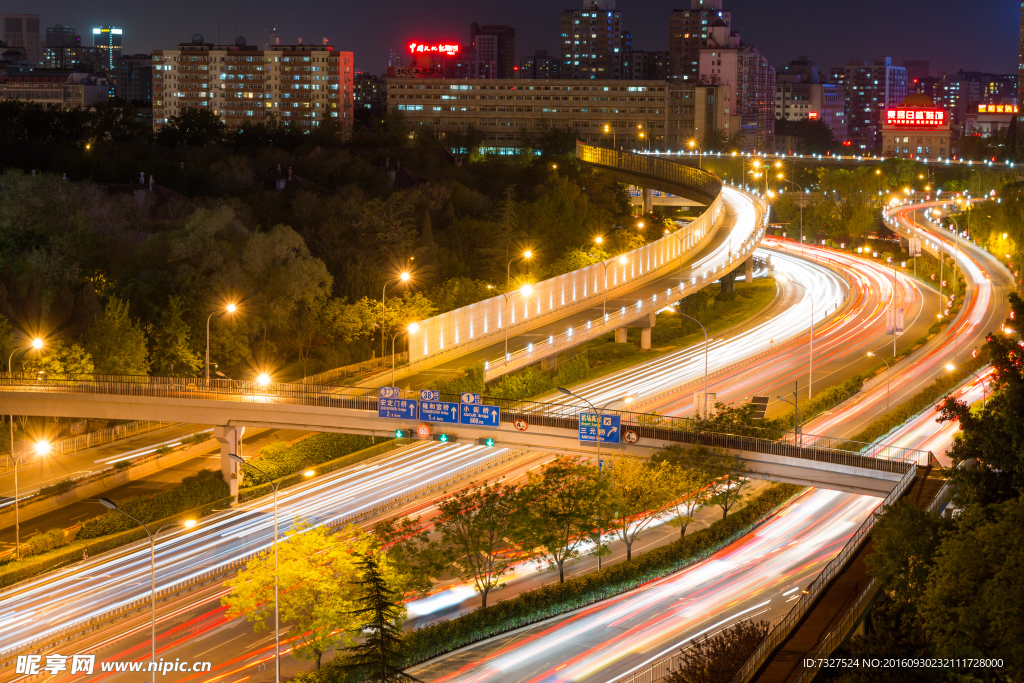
(653, 426)
(810, 596)
(703, 182)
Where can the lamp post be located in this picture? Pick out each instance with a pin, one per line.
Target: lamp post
(798, 437)
(188, 524)
(622, 260)
(984, 399)
(404, 277)
(412, 329)
(37, 344)
(956, 271)
(625, 400)
(508, 271)
(700, 159)
(888, 371)
(277, 613)
(608, 129)
(525, 291)
(230, 308)
(705, 359)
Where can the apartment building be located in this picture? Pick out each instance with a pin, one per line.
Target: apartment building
(295, 85)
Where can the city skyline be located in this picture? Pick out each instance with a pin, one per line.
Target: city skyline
(874, 29)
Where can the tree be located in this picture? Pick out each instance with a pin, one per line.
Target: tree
(116, 341)
(318, 577)
(716, 659)
(992, 440)
(172, 354)
(973, 602)
(559, 510)
(905, 539)
(379, 621)
(637, 496)
(192, 127)
(728, 480)
(686, 481)
(475, 527)
(57, 358)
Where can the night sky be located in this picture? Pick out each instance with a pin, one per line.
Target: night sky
(952, 34)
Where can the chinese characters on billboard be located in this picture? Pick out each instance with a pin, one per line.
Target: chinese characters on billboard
(997, 108)
(450, 49)
(916, 118)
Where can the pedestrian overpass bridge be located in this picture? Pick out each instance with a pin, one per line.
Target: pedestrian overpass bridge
(231, 406)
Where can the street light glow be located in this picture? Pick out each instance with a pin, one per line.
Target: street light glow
(413, 328)
(42, 447)
(404, 277)
(623, 260)
(526, 290)
(308, 473)
(950, 367)
(37, 343)
(263, 379)
(189, 523)
(527, 254)
(598, 240)
(231, 308)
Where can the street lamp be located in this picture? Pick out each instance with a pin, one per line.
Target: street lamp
(525, 290)
(625, 400)
(403, 277)
(188, 524)
(705, 413)
(36, 344)
(888, 371)
(412, 329)
(700, 159)
(950, 367)
(508, 271)
(797, 435)
(229, 309)
(622, 260)
(263, 379)
(277, 612)
(608, 129)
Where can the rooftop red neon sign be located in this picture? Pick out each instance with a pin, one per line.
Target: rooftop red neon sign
(450, 49)
(916, 118)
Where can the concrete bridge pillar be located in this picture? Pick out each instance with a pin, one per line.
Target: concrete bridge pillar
(230, 439)
(620, 335)
(645, 332)
(648, 200)
(748, 270)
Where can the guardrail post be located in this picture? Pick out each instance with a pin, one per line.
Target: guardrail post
(230, 439)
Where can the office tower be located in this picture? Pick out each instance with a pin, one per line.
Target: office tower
(591, 41)
(22, 31)
(108, 40)
(62, 36)
(688, 33)
(133, 78)
(495, 45)
(540, 66)
(870, 89)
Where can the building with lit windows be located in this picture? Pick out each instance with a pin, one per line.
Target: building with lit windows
(990, 119)
(540, 65)
(495, 49)
(592, 41)
(687, 34)
(801, 94)
(870, 90)
(651, 115)
(295, 85)
(917, 129)
(133, 78)
(108, 40)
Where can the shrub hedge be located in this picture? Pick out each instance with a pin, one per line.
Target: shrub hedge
(194, 491)
(280, 459)
(558, 598)
(57, 488)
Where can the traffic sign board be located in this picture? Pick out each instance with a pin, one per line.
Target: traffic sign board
(469, 398)
(439, 411)
(389, 405)
(480, 415)
(630, 436)
(521, 424)
(430, 395)
(609, 429)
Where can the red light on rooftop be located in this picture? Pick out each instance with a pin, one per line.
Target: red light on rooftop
(847, 143)
(812, 115)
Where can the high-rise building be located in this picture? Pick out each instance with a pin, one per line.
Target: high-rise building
(133, 78)
(869, 89)
(647, 65)
(591, 41)
(297, 85)
(725, 59)
(495, 50)
(369, 95)
(688, 33)
(917, 69)
(540, 66)
(22, 31)
(801, 95)
(62, 36)
(108, 39)
(77, 58)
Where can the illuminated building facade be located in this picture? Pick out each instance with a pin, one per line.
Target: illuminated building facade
(688, 31)
(870, 90)
(592, 41)
(917, 129)
(297, 85)
(653, 115)
(107, 40)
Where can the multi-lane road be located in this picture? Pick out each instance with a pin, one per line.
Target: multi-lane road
(192, 627)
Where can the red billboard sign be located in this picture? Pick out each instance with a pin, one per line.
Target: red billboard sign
(916, 118)
(450, 49)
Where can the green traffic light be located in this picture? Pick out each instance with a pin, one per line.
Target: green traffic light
(398, 434)
(489, 442)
